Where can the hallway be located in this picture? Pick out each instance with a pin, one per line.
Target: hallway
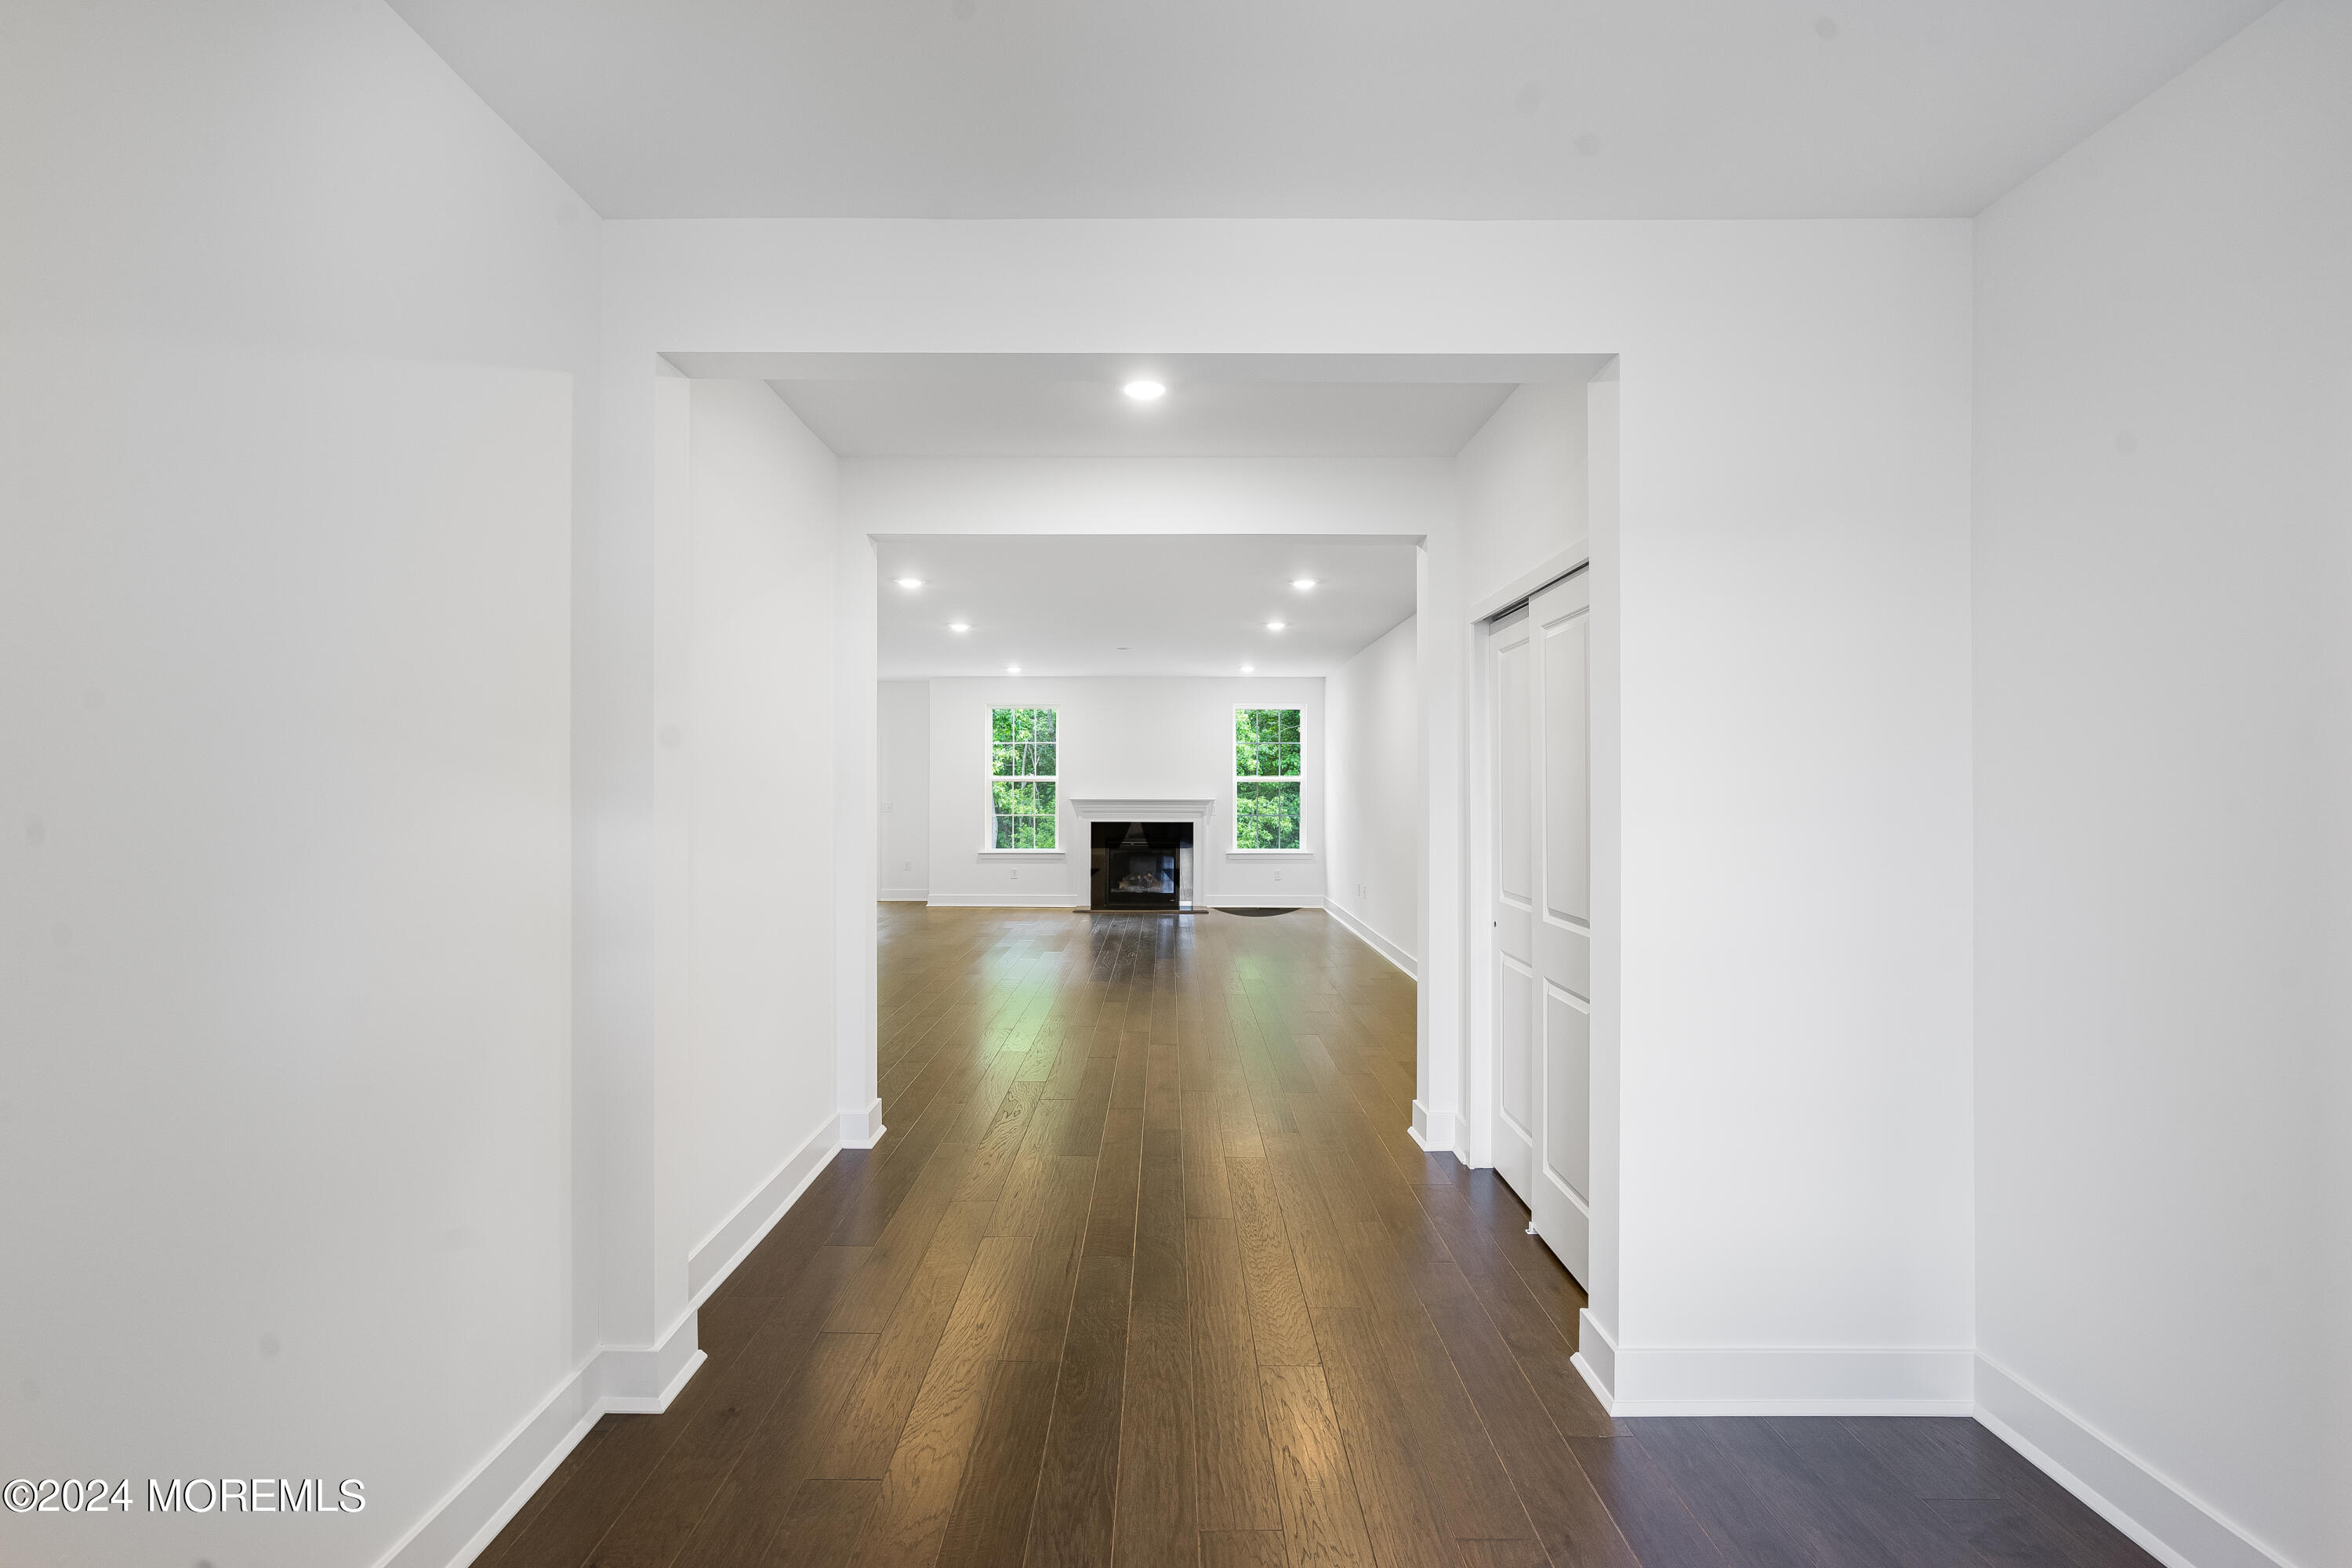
(1146, 1270)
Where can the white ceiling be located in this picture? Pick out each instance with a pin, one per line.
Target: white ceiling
(1138, 603)
(1487, 109)
(1070, 405)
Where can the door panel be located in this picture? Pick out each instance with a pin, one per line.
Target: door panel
(1568, 1094)
(1515, 860)
(1519, 1082)
(1568, 816)
(1567, 958)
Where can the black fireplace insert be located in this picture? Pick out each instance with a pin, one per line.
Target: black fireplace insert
(1141, 864)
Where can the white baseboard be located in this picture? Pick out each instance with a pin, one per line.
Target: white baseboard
(1041, 900)
(633, 1381)
(1772, 1380)
(1067, 901)
(2162, 1517)
(1596, 1359)
(656, 1399)
(862, 1129)
(1437, 1132)
(1364, 933)
(718, 1254)
(2169, 1522)
(465, 1521)
(906, 895)
(614, 1381)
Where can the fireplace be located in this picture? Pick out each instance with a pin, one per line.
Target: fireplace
(1141, 866)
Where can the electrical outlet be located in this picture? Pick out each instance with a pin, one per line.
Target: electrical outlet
(1016, 873)
(1277, 876)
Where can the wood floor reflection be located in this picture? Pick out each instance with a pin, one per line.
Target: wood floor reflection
(1148, 1271)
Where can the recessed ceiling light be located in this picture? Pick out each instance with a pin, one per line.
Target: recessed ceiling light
(1275, 625)
(958, 626)
(911, 581)
(1011, 670)
(1302, 584)
(1145, 391)
(1249, 669)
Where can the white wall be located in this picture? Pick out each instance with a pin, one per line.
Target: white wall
(903, 845)
(2164, 801)
(1522, 481)
(1793, 677)
(1523, 485)
(293, 335)
(856, 773)
(759, 748)
(1606, 719)
(1118, 738)
(1402, 496)
(1792, 607)
(1373, 793)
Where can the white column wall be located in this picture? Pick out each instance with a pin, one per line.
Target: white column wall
(904, 844)
(646, 1114)
(1373, 793)
(759, 744)
(1607, 719)
(1795, 870)
(2164, 804)
(1444, 651)
(856, 765)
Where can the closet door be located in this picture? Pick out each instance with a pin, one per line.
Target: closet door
(1559, 622)
(1511, 684)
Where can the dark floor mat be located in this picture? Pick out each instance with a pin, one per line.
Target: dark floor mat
(1222, 910)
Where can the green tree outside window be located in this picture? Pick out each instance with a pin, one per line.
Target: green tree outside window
(1021, 772)
(1266, 778)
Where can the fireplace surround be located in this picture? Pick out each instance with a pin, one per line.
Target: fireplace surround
(1141, 853)
(1141, 866)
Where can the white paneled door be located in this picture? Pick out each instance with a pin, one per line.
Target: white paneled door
(1543, 910)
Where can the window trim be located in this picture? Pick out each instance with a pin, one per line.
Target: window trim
(1233, 795)
(991, 778)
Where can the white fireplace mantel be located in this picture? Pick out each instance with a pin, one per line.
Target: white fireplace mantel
(1143, 810)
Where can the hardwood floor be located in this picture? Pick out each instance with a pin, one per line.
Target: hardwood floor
(1147, 1271)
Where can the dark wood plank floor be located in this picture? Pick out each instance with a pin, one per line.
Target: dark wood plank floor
(1147, 1271)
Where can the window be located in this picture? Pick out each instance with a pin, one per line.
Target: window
(1021, 804)
(1266, 778)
